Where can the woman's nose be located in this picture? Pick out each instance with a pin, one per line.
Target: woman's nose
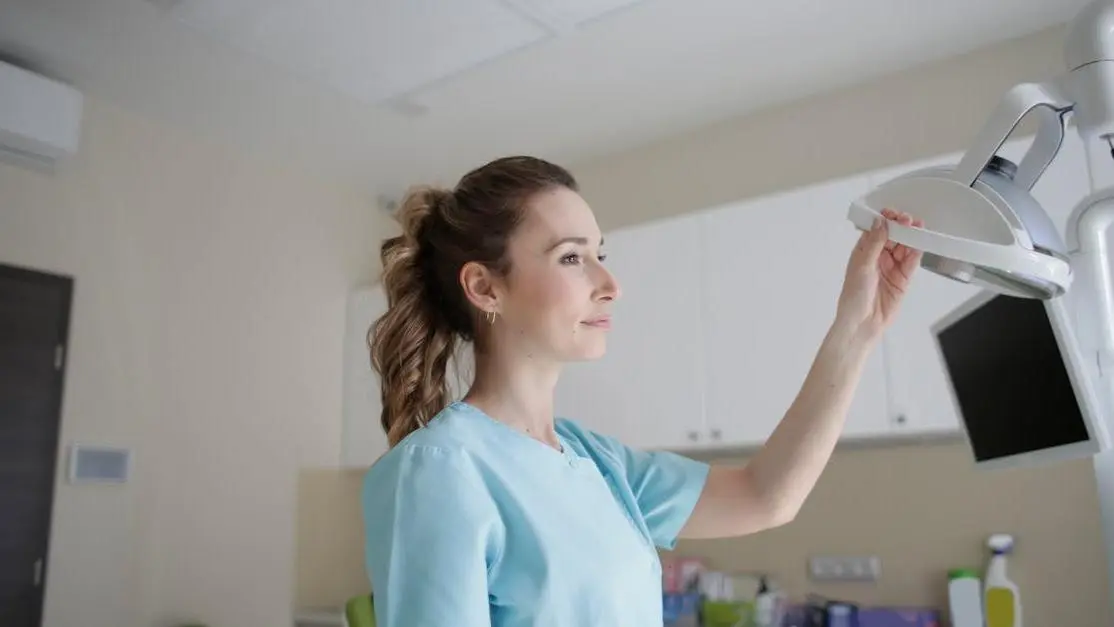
(609, 288)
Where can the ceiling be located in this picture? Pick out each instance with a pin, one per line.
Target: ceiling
(389, 92)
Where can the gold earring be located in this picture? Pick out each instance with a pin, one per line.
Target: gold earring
(491, 318)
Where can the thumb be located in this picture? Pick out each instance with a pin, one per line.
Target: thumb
(871, 243)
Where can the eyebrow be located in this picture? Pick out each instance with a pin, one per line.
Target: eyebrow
(583, 241)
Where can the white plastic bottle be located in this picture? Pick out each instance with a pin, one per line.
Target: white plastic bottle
(965, 598)
(765, 605)
(1001, 597)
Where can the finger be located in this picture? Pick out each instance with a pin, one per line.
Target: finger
(910, 262)
(916, 223)
(901, 218)
(873, 242)
(910, 257)
(888, 214)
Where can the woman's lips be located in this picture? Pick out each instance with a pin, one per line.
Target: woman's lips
(602, 322)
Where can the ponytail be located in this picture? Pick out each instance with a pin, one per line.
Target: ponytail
(412, 342)
(427, 312)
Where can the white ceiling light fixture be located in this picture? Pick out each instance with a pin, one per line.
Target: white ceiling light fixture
(981, 223)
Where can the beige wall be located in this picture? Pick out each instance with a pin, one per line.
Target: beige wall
(206, 335)
(932, 110)
(922, 508)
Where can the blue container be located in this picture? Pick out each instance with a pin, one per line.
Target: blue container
(681, 610)
(898, 617)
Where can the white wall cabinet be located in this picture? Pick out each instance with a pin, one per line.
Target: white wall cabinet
(768, 279)
(772, 270)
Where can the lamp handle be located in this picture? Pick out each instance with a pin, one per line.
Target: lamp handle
(1006, 258)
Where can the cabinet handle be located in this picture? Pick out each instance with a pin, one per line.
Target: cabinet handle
(900, 419)
(693, 436)
(716, 433)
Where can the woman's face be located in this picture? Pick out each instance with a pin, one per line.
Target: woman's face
(555, 303)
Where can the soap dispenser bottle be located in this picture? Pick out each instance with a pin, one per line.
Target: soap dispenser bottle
(1001, 597)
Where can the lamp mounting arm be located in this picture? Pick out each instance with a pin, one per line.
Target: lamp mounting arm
(1049, 100)
(1088, 234)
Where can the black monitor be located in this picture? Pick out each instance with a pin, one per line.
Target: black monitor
(1017, 381)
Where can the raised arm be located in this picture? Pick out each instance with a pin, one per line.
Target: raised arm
(771, 488)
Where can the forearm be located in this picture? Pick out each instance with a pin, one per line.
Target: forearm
(785, 470)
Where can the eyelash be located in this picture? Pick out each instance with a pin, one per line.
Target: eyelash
(574, 258)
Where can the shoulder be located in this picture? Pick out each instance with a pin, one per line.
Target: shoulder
(589, 442)
(410, 493)
(441, 457)
(429, 516)
(636, 464)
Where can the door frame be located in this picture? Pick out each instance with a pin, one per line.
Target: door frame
(65, 284)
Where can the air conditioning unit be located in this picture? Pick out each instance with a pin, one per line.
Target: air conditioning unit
(40, 118)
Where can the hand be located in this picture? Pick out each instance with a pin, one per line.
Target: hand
(877, 277)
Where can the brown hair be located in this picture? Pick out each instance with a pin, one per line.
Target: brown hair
(427, 312)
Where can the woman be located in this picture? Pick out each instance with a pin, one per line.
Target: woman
(491, 511)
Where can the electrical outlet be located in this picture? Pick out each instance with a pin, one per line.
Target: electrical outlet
(849, 568)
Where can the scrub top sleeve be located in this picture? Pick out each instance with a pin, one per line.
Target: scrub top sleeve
(431, 535)
(665, 485)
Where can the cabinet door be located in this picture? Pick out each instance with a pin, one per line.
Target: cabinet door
(773, 270)
(362, 437)
(647, 389)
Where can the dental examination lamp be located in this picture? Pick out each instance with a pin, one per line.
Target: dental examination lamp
(982, 225)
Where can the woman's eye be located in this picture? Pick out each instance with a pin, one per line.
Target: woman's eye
(571, 259)
(602, 257)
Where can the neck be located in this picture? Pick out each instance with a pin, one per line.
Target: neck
(517, 391)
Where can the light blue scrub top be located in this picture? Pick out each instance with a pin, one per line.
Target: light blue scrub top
(470, 522)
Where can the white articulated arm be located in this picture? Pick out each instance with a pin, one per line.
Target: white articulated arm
(1088, 239)
(1089, 53)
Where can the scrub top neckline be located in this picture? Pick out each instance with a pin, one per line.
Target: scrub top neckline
(566, 451)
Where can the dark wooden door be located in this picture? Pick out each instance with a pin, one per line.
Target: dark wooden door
(34, 322)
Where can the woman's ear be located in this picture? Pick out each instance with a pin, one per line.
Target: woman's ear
(480, 287)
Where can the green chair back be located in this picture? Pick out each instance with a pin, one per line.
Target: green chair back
(360, 611)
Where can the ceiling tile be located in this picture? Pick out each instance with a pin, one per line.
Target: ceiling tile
(374, 50)
(561, 15)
